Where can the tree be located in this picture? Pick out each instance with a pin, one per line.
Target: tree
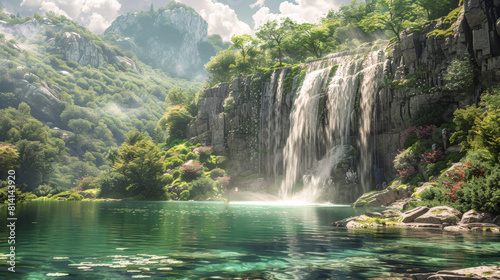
(139, 161)
(391, 15)
(8, 159)
(273, 33)
(436, 9)
(220, 67)
(79, 126)
(244, 43)
(312, 39)
(177, 96)
(176, 120)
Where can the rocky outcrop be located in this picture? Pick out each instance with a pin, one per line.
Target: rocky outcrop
(481, 272)
(74, 47)
(43, 101)
(171, 39)
(384, 197)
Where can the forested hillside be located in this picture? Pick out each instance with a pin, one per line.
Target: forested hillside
(68, 97)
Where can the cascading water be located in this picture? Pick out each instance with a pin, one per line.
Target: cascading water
(356, 80)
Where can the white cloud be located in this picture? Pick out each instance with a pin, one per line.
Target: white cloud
(301, 11)
(97, 23)
(258, 3)
(221, 18)
(95, 14)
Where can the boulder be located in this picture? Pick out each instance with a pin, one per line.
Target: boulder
(44, 103)
(373, 214)
(472, 216)
(440, 215)
(75, 47)
(411, 215)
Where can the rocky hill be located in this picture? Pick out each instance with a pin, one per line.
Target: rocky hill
(173, 38)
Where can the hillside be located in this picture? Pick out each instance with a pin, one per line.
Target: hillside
(68, 96)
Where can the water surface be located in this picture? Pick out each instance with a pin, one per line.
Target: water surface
(210, 240)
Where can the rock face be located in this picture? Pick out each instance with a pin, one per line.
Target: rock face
(85, 52)
(172, 39)
(43, 101)
(253, 132)
(74, 46)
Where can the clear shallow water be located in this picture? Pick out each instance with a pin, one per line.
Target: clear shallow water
(208, 240)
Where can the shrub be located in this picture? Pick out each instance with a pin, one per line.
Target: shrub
(481, 193)
(176, 174)
(184, 195)
(168, 179)
(191, 155)
(75, 196)
(405, 159)
(191, 172)
(433, 157)
(217, 172)
(201, 187)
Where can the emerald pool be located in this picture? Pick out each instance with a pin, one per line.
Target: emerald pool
(211, 240)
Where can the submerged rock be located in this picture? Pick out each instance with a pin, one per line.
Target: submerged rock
(481, 272)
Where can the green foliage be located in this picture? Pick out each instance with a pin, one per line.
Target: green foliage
(75, 197)
(176, 120)
(185, 195)
(221, 67)
(481, 193)
(217, 172)
(445, 29)
(429, 115)
(459, 75)
(391, 15)
(405, 159)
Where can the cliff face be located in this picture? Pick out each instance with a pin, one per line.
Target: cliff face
(169, 39)
(368, 99)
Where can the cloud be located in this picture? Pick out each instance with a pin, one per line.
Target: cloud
(258, 3)
(95, 14)
(221, 18)
(301, 11)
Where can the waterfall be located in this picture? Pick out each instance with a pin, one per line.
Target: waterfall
(300, 149)
(313, 150)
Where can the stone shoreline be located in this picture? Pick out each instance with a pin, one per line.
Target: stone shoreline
(440, 217)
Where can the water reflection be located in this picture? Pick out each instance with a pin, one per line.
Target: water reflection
(193, 240)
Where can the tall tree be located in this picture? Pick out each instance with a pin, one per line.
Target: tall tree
(139, 161)
(391, 15)
(436, 9)
(313, 39)
(272, 33)
(244, 43)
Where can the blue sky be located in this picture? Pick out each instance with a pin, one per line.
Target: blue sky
(225, 17)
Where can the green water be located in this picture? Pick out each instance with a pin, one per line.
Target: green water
(208, 240)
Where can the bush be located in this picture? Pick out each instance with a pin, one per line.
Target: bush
(75, 196)
(217, 172)
(201, 187)
(191, 172)
(191, 155)
(405, 159)
(176, 174)
(184, 195)
(481, 193)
